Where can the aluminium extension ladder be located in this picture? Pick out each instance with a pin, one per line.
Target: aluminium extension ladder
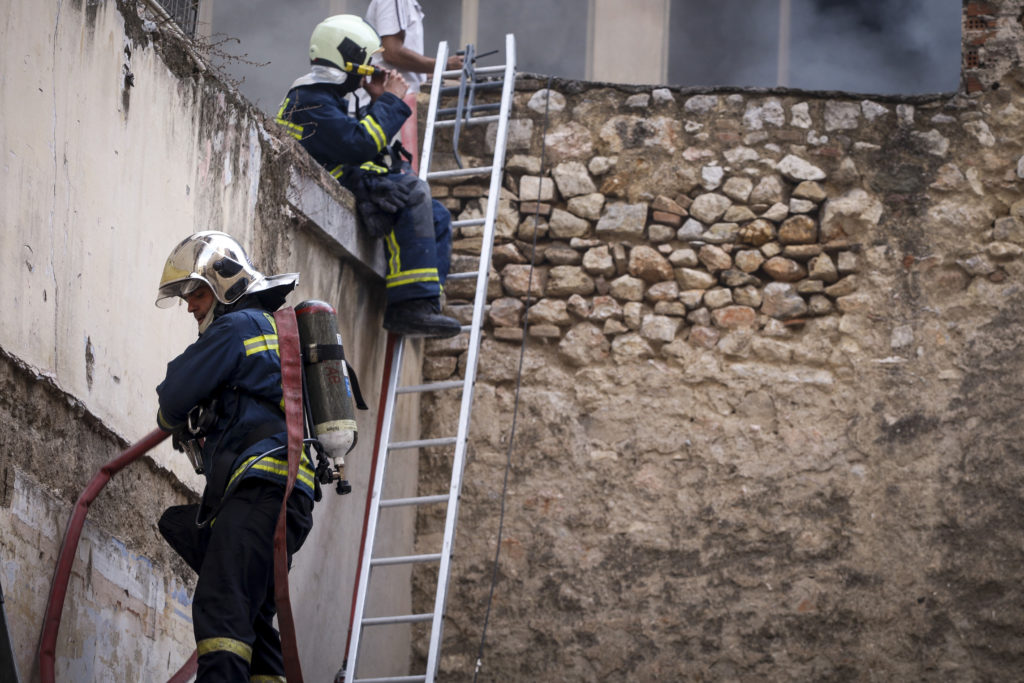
(461, 115)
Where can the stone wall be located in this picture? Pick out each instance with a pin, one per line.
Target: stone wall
(766, 427)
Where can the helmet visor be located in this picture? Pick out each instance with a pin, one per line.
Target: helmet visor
(169, 293)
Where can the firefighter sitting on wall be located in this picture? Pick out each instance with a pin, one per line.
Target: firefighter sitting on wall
(222, 400)
(392, 202)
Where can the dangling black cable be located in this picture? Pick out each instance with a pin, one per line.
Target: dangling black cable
(519, 381)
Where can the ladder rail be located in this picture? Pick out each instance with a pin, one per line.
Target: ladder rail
(479, 302)
(435, 96)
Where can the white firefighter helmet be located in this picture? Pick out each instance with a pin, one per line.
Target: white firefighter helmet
(215, 259)
(343, 38)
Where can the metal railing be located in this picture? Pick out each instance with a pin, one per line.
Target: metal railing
(184, 13)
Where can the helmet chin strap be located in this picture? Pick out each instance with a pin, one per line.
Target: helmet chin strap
(205, 322)
(218, 309)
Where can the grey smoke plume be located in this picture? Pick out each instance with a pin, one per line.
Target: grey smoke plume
(878, 46)
(866, 46)
(863, 46)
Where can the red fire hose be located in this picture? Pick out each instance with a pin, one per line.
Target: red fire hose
(291, 387)
(66, 558)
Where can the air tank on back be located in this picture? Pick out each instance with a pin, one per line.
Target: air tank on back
(328, 386)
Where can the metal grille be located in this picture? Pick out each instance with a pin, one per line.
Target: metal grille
(184, 14)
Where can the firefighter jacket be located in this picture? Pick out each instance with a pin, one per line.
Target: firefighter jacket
(317, 116)
(234, 370)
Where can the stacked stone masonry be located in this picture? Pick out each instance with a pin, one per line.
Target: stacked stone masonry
(755, 226)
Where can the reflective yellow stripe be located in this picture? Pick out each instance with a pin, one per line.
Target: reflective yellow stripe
(267, 679)
(375, 131)
(264, 342)
(367, 166)
(294, 129)
(394, 253)
(235, 647)
(277, 466)
(162, 421)
(410, 280)
(373, 168)
(409, 277)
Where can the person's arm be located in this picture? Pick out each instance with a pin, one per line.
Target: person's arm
(334, 137)
(399, 56)
(198, 373)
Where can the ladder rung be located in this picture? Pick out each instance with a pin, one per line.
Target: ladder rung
(397, 619)
(421, 443)
(467, 112)
(432, 386)
(456, 172)
(404, 559)
(454, 73)
(419, 500)
(477, 119)
(479, 86)
(468, 222)
(391, 679)
(471, 275)
(498, 69)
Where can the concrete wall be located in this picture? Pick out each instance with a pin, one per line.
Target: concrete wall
(116, 144)
(747, 450)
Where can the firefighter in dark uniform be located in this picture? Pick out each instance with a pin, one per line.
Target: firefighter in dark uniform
(222, 400)
(392, 202)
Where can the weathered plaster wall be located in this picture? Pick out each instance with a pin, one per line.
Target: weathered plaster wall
(116, 144)
(725, 470)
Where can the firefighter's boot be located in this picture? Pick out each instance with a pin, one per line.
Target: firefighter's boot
(420, 318)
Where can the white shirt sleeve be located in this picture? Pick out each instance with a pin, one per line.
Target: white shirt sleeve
(388, 17)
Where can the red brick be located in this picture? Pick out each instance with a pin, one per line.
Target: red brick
(666, 218)
(978, 8)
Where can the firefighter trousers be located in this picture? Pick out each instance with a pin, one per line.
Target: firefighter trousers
(233, 606)
(419, 246)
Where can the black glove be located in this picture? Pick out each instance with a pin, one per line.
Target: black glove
(176, 438)
(376, 222)
(378, 198)
(386, 192)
